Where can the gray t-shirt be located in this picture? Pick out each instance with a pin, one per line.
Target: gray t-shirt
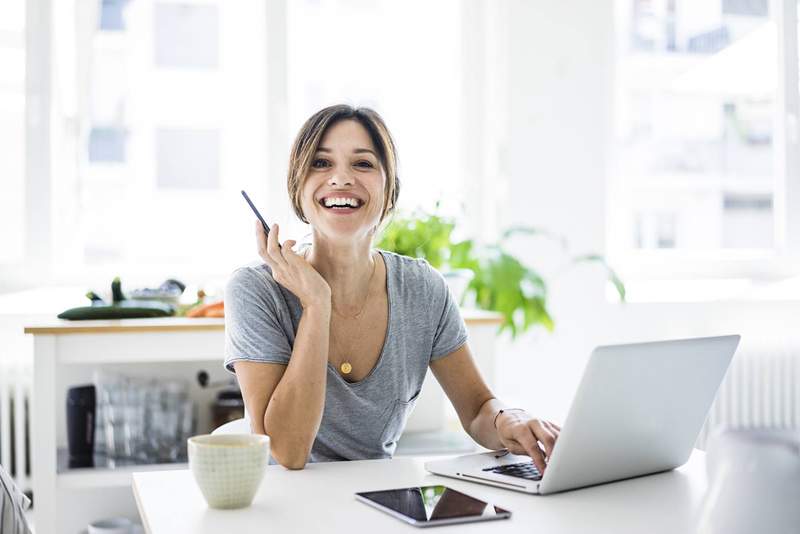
(361, 420)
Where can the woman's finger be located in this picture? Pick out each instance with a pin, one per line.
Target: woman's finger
(553, 428)
(273, 247)
(514, 447)
(524, 436)
(261, 238)
(287, 249)
(261, 243)
(543, 435)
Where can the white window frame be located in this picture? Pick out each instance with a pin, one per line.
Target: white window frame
(652, 266)
(41, 127)
(484, 134)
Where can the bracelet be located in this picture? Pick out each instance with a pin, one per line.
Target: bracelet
(506, 410)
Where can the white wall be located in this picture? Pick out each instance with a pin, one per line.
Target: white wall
(560, 70)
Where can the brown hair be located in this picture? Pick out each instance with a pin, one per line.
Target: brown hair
(307, 142)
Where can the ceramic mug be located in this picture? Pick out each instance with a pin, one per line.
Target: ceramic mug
(228, 468)
(113, 525)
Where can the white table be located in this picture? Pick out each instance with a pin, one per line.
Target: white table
(320, 499)
(65, 353)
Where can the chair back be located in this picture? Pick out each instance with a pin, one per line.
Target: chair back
(237, 426)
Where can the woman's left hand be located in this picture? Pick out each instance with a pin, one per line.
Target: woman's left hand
(521, 433)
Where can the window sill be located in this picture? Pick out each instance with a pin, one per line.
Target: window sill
(709, 290)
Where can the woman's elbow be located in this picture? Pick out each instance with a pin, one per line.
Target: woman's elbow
(295, 465)
(292, 457)
(292, 461)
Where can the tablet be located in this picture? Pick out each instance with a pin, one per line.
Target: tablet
(427, 506)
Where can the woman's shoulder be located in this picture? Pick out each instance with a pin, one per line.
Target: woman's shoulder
(412, 271)
(250, 272)
(254, 278)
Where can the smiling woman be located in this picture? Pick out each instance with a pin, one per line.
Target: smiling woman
(372, 152)
(331, 346)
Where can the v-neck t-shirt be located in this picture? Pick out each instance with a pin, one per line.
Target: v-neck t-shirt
(361, 420)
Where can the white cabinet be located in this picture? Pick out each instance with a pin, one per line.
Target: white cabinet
(66, 353)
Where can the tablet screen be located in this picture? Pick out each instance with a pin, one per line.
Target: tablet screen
(433, 504)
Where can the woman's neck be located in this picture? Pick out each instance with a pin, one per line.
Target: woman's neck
(346, 267)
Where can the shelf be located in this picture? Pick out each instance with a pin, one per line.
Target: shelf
(103, 475)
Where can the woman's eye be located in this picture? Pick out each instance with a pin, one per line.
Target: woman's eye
(364, 164)
(320, 163)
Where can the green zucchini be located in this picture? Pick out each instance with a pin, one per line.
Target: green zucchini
(120, 308)
(127, 309)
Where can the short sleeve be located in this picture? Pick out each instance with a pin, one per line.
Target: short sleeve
(451, 332)
(253, 323)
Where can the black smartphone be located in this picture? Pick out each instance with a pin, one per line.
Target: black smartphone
(260, 218)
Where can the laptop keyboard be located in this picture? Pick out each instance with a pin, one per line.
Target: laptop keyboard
(524, 470)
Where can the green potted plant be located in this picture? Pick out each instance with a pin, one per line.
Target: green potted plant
(496, 279)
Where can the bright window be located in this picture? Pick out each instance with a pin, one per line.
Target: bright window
(700, 164)
(12, 131)
(362, 53)
(163, 110)
(171, 124)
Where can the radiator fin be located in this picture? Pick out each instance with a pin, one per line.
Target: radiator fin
(760, 391)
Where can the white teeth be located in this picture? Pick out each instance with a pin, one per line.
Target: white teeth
(341, 201)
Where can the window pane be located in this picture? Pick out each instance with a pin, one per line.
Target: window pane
(694, 118)
(175, 126)
(414, 83)
(107, 145)
(12, 131)
(187, 159)
(186, 36)
(112, 15)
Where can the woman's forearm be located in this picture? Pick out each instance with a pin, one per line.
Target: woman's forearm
(294, 412)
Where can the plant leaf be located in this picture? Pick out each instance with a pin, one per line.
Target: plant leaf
(533, 231)
(610, 273)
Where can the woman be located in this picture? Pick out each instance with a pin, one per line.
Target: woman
(331, 345)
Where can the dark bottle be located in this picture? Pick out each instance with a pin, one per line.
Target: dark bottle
(80, 425)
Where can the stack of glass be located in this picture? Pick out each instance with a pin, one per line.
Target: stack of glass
(143, 420)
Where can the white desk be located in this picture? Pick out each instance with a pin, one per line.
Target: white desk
(320, 499)
(66, 353)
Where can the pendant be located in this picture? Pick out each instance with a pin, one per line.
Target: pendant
(346, 368)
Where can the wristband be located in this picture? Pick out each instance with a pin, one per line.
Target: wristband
(505, 410)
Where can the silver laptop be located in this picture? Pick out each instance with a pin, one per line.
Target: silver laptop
(638, 410)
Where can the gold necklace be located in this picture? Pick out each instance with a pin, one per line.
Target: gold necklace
(346, 367)
(366, 298)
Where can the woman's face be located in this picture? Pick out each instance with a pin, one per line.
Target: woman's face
(343, 194)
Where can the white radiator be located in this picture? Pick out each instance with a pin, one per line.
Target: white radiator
(15, 387)
(761, 390)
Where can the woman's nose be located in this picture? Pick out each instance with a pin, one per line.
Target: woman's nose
(340, 177)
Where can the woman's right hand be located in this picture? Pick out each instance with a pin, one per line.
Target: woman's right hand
(291, 270)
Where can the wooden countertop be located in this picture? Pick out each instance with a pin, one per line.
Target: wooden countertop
(169, 324)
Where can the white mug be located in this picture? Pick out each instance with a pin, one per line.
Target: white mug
(113, 525)
(228, 468)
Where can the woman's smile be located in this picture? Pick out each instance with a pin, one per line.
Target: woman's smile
(341, 203)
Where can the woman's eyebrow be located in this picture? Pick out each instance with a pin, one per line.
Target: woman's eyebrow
(356, 151)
